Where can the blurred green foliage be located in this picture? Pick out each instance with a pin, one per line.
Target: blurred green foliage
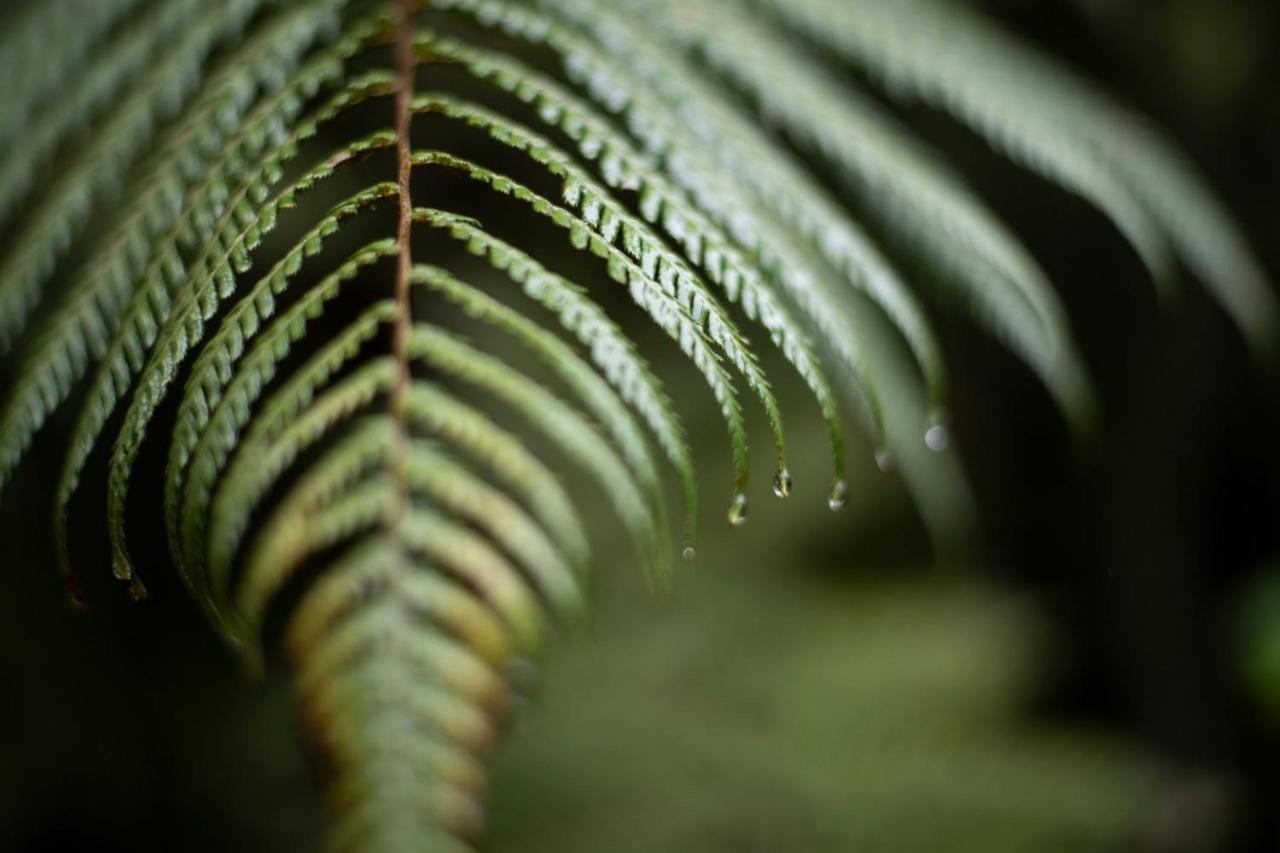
(777, 706)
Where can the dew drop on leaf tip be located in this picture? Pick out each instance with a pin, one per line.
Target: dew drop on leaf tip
(738, 511)
(839, 494)
(782, 483)
(938, 436)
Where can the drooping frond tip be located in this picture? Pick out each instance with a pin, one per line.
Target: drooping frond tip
(281, 253)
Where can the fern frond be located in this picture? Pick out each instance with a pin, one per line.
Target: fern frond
(241, 490)
(40, 51)
(96, 170)
(185, 328)
(339, 456)
(430, 410)
(663, 285)
(612, 352)
(327, 502)
(559, 423)
(505, 457)
(1004, 286)
(685, 151)
(112, 70)
(213, 410)
(211, 416)
(1056, 122)
(702, 244)
(139, 271)
(592, 392)
(354, 679)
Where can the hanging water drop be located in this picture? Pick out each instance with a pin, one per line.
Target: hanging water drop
(937, 437)
(839, 494)
(689, 554)
(782, 483)
(738, 511)
(884, 460)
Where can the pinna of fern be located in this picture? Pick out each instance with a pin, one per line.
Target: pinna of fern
(336, 451)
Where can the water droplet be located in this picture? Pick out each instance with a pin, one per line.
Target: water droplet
(839, 494)
(937, 437)
(689, 554)
(738, 511)
(884, 460)
(782, 483)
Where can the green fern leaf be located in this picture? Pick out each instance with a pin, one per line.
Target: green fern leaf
(1057, 123)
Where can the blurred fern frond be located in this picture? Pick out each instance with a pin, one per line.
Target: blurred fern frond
(235, 232)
